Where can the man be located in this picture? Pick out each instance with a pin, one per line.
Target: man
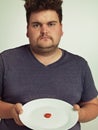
(41, 69)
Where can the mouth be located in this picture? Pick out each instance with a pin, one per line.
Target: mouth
(44, 37)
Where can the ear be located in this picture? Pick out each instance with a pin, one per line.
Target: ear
(62, 33)
(62, 30)
(27, 32)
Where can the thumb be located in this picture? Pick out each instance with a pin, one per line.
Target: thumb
(18, 108)
(76, 107)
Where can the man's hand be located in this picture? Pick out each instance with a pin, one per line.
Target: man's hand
(15, 111)
(77, 108)
(87, 110)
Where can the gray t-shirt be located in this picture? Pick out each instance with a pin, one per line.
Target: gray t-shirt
(23, 78)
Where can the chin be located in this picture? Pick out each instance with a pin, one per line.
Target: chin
(47, 50)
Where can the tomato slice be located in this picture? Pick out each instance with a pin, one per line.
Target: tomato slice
(47, 115)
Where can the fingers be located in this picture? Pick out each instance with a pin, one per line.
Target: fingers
(17, 120)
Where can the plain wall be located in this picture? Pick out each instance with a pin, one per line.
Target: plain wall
(80, 26)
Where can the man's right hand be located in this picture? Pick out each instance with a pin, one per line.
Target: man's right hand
(15, 111)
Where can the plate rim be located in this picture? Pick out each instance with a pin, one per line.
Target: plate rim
(35, 101)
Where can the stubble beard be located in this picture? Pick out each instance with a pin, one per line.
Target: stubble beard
(44, 50)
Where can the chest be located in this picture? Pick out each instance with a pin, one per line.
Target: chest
(25, 84)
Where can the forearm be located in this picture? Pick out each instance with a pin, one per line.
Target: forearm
(5, 110)
(11, 111)
(88, 112)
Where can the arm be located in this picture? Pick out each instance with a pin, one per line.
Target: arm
(10, 111)
(87, 110)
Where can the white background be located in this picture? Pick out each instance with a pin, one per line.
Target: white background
(80, 26)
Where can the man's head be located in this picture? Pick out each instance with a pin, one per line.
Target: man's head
(32, 6)
(44, 25)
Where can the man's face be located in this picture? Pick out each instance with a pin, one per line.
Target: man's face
(44, 31)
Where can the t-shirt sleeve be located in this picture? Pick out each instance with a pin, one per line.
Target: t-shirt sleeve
(1, 75)
(89, 89)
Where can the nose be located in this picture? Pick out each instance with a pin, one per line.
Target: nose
(44, 29)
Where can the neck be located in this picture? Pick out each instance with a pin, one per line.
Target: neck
(48, 58)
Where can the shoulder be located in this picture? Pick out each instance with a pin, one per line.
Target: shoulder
(14, 55)
(14, 51)
(74, 58)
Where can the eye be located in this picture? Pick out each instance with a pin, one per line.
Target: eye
(51, 24)
(36, 25)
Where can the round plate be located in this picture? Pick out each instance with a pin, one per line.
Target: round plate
(48, 114)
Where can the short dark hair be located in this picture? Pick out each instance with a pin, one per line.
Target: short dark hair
(40, 5)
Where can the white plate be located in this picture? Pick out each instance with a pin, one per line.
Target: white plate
(48, 114)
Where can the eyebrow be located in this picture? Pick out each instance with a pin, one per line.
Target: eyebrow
(37, 22)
